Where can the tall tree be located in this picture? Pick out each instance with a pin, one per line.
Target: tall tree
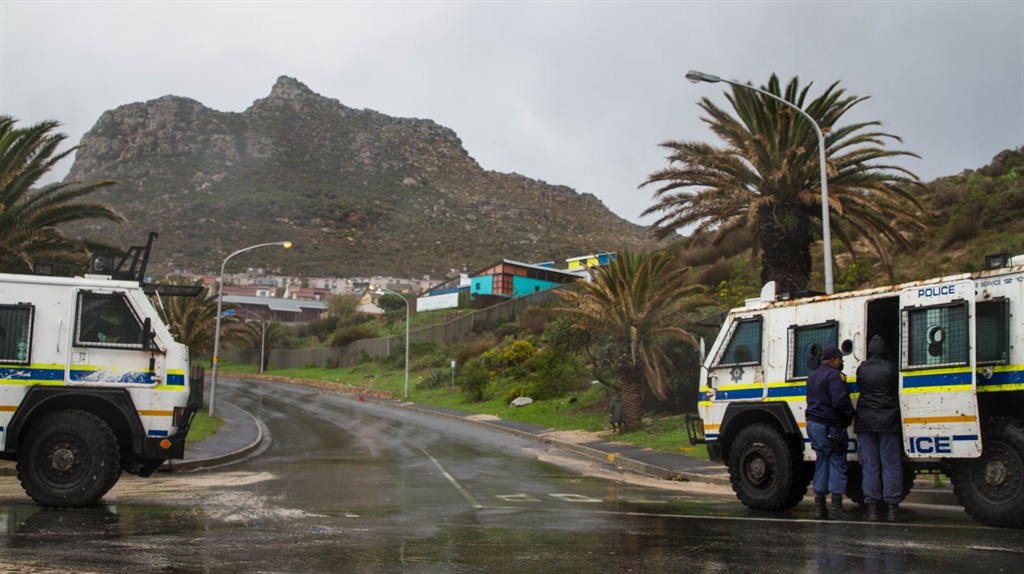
(193, 320)
(767, 178)
(30, 219)
(640, 300)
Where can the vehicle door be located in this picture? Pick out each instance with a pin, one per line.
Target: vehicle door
(109, 340)
(937, 371)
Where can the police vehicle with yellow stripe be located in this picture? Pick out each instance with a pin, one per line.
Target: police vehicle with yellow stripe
(91, 380)
(960, 344)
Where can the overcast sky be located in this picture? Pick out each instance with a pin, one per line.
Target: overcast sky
(572, 93)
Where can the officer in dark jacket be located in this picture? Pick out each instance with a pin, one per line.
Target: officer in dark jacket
(879, 429)
(829, 412)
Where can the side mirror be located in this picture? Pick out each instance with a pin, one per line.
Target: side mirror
(147, 334)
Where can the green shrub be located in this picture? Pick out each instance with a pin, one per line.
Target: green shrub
(517, 353)
(473, 379)
(514, 393)
(346, 335)
(556, 374)
(434, 380)
(474, 349)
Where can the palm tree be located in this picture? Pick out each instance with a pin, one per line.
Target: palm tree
(30, 220)
(766, 178)
(640, 301)
(193, 320)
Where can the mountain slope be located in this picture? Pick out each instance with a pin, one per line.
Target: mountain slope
(357, 191)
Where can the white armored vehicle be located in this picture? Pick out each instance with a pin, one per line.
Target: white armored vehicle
(959, 345)
(91, 381)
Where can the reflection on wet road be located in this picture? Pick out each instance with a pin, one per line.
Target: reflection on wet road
(348, 486)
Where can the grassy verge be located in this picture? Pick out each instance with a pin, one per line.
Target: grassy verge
(203, 427)
(587, 413)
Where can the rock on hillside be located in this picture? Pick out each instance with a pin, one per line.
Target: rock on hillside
(357, 191)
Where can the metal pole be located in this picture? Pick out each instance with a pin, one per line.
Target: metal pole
(826, 228)
(216, 335)
(406, 347)
(404, 300)
(263, 344)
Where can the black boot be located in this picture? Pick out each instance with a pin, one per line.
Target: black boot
(894, 513)
(872, 514)
(820, 507)
(836, 511)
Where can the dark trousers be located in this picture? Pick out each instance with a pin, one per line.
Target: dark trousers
(829, 466)
(882, 468)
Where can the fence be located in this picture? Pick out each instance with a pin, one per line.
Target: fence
(354, 352)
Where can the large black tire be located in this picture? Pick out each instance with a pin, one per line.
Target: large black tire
(766, 471)
(991, 487)
(68, 459)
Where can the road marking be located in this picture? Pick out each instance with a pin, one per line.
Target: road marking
(574, 498)
(520, 497)
(465, 493)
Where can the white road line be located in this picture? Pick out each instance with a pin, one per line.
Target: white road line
(465, 493)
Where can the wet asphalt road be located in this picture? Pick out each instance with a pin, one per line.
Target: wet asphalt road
(348, 486)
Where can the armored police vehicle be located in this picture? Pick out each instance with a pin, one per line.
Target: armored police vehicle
(959, 345)
(91, 381)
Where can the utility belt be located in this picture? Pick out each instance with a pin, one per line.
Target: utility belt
(836, 434)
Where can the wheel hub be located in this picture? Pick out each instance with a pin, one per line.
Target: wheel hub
(63, 459)
(995, 473)
(758, 467)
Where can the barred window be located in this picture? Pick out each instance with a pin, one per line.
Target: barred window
(806, 344)
(993, 332)
(107, 320)
(936, 337)
(16, 333)
(744, 347)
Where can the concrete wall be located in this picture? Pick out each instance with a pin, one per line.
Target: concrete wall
(352, 353)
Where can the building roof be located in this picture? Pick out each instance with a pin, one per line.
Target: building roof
(278, 304)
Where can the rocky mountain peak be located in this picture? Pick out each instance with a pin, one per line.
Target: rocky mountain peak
(357, 191)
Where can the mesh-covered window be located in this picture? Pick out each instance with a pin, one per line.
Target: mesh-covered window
(107, 320)
(16, 334)
(993, 332)
(806, 344)
(936, 337)
(744, 347)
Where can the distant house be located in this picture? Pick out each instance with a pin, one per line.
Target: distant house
(249, 290)
(307, 293)
(275, 309)
(597, 260)
(510, 279)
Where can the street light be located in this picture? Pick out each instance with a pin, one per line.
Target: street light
(826, 231)
(404, 300)
(263, 338)
(216, 335)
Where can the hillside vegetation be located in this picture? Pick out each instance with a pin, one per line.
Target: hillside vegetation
(967, 216)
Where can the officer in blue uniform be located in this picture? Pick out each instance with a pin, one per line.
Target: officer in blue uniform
(829, 413)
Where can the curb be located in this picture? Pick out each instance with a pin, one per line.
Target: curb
(201, 463)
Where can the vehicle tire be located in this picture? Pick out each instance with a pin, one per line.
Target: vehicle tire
(991, 487)
(798, 488)
(764, 468)
(69, 459)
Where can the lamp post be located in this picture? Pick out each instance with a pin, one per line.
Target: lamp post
(216, 333)
(404, 300)
(263, 337)
(826, 230)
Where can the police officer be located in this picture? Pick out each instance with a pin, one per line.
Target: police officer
(829, 412)
(878, 428)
